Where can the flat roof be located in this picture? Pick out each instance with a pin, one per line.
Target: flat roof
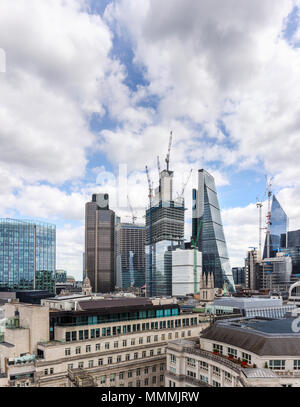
(114, 303)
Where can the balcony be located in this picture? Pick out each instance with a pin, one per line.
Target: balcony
(233, 365)
(187, 379)
(80, 378)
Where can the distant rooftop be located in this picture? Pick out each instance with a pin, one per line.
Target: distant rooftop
(258, 335)
(114, 303)
(25, 221)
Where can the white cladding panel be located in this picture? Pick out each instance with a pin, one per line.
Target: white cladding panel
(183, 271)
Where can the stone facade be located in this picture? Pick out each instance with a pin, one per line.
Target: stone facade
(134, 359)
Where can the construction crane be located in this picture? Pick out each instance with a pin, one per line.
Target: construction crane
(185, 184)
(158, 166)
(194, 246)
(169, 150)
(134, 217)
(150, 230)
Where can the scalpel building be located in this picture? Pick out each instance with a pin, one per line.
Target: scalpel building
(212, 243)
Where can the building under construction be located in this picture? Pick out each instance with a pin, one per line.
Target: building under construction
(164, 232)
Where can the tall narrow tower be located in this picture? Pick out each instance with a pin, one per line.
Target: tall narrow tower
(211, 241)
(99, 243)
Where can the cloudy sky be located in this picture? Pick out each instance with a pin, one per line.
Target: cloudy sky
(94, 86)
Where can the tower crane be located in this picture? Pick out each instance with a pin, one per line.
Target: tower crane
(134, 217)
(169, 150)
(194, 246)
(185, 184)
(158, 166)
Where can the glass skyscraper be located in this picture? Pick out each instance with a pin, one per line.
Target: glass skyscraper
(130, 254)
(278, 229)
(211, 241)
(27, 254)
(167, 233)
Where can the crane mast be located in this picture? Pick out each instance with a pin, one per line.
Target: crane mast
(134, 217)
(169, 150)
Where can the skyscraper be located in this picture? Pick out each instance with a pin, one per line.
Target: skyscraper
(278, 228)
(130, 255)
(212, 243)
(99, 243)
(291, 245)
(27, 255)
(167, 234)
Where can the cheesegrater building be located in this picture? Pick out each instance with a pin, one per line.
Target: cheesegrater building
(212, 243)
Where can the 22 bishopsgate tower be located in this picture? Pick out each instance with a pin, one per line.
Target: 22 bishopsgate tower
(207, 221)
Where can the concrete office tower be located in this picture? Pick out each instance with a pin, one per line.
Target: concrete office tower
(183, 271)
(275, 273)
(167, 234)
(99, 243)
(130, 255)
(212, 241)
(251, 266)
(27, 255)
(278, 229)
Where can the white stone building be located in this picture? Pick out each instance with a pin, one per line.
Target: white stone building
(242, 352)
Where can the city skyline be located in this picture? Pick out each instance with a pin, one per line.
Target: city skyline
(221, 77)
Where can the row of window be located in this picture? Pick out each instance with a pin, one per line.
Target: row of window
(86, 334)
(118, 359)
(131, 342)
(231, 352)
(112, 378)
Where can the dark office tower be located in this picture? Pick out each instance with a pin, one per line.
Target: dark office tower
(130, 255)
(27, 255)
(99, 243)
(279, 225)
(212, 243)
(238, 274)
(167, 234)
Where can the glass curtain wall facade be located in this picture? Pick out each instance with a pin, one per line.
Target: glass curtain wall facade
(167, 233)
(212, 241)
(278, 228)
(27, 254)
(130, 255)
(292, 242)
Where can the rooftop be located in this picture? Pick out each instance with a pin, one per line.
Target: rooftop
(114, 303)
(258, 335)
(259, 373)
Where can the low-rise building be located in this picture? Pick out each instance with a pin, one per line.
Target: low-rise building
(96, 342)
(241, 352)
(250, 306)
